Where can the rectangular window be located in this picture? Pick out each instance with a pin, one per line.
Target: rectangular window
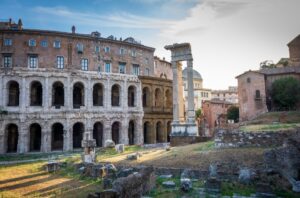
(122, 68)
(135, 69)
(99, 68)
(60, 62)
(106, 49)
(33, 61)
(44, 43)
(7, 61)
(107, 67)
(80, 48)
(97, 49)
(147, 72)
(84, 64)
(133, 53)
(122, 51)
(32, 43)
(7, 42)
(56, 44)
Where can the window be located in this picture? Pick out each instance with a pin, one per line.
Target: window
(80, 48)
(32, 43)
(106, 49)
(84, 64)
(122, 68)
(44, 43)
(33, 61)
(133, 53)
(135, 69)
(97, 49)
(107, 67)
(147, 61)
(60, 62)
(257, 94)
(147, 72)
(248, 80)
(7, 61)
(56, 44)
(122, 51)
(99, 68)
(7, 42)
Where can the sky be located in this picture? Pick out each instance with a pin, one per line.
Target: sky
(228, 37)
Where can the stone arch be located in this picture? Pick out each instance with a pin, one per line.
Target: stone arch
(98, 94)
(12, 134)
(78, 95)
(169, 130)
(57, 136)
(98, 133)
(146, 97)
(131, 96)
(131, 130)
(159, 132)
(168, 98)
(115, 95)
(36, 94)
(58, 94)
(115, 132)
(78, 130)
(13, 93)
(148, 136)
(157, 97)
(35, 137)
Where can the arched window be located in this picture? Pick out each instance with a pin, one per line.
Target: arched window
(159, 132)
(115, 130)
(147, 133)
(35, 137)
(131, 132)
(12, 138)
(115, 95)
(13, 93)
(131, 96)
(36, 94)
(257, 94)
(158, 97)
(58, 97)
(98, 95)
(78, 95)
(98, 133)
(78, 129)
(146, 97)
(168, 99)
(57, 137)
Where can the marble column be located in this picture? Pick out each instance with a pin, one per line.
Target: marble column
(175, 93)
(191, 111)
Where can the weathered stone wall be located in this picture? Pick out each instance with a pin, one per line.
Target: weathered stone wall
(162, 68)
(226, 138)
(186, 140)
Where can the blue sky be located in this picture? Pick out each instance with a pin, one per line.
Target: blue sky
(228, 37)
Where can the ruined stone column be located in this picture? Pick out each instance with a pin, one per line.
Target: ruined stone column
(180, 93)
(175, 93)
(191, 111)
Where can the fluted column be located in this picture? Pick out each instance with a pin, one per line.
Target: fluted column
(191, 111)
(175, 93)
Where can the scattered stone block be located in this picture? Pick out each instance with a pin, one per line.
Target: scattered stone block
(125, 172)
(107, 183)
(109, 144)
(52, 166)
(296, 186)
(169, 184)
(134, 156)
(186, 184)
(98, 171)
(120, 148)
(165, 176)
(245, 175)
(212, 185)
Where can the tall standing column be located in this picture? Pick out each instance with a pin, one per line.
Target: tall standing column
(175, 93)
(191, 111)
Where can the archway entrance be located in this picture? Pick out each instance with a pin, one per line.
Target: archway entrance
(36, 94)
(12, 138)
(57, 137)
(131, 96)
(115, 95)
(147, 133)
(98, 95)
(58, 98)
(98, 133)
(115, 130)
(78, 130)
(35, 137)
(78, 95)
(169, 128)
(13, 94)
(159, 132)
(131, 132)
(146, 97)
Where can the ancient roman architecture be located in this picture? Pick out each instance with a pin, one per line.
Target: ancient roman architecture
(180, 127)
(58, 87)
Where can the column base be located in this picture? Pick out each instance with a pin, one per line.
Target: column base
(184, 129)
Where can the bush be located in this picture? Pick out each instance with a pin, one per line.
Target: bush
(285, 93)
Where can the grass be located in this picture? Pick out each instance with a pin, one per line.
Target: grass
(281, 116)
(110, 152)
(206, 146)
(270, 127)
(228, 189)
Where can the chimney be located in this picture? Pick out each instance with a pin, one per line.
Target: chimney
(73, 29)
(20, 24)
(164, 58)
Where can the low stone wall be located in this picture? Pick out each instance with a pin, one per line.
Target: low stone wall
(185, 140)
(234, 138)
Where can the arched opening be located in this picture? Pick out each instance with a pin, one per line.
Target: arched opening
(131, 96)
(35, 137)
(169, 129)
(147, 133)
(78, 130)
(159, 132)
(168, 99)
(115, 132)
(131, 132)
(115, 95)
(146, 97)
(58, 97)
(98, 133)
(12, 138)
(158, 97)
(98, 95)
(78, 95)
(36, 94)
(13, 93)
(57, 137)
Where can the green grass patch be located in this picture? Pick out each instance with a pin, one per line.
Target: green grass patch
(104, 153)
(286, 194)
(227, 189)
(269, 127)
(206, 146)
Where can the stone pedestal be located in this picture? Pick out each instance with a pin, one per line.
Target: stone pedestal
(89, 155)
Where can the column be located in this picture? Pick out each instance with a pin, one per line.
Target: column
(68, 94)
(138, 131)
(124, 132)
(67, 137)
(1, 89)
(89, 96)
(106, 131)
(23, 140)
(175, 93)
(191, 111)
(46, 139)
(23, 98)
(46, 94)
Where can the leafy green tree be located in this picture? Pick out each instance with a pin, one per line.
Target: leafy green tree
(198, 113)
(285, 93)
(233, 113)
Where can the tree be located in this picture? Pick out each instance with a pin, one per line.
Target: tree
(233, 113)
(285, 93)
